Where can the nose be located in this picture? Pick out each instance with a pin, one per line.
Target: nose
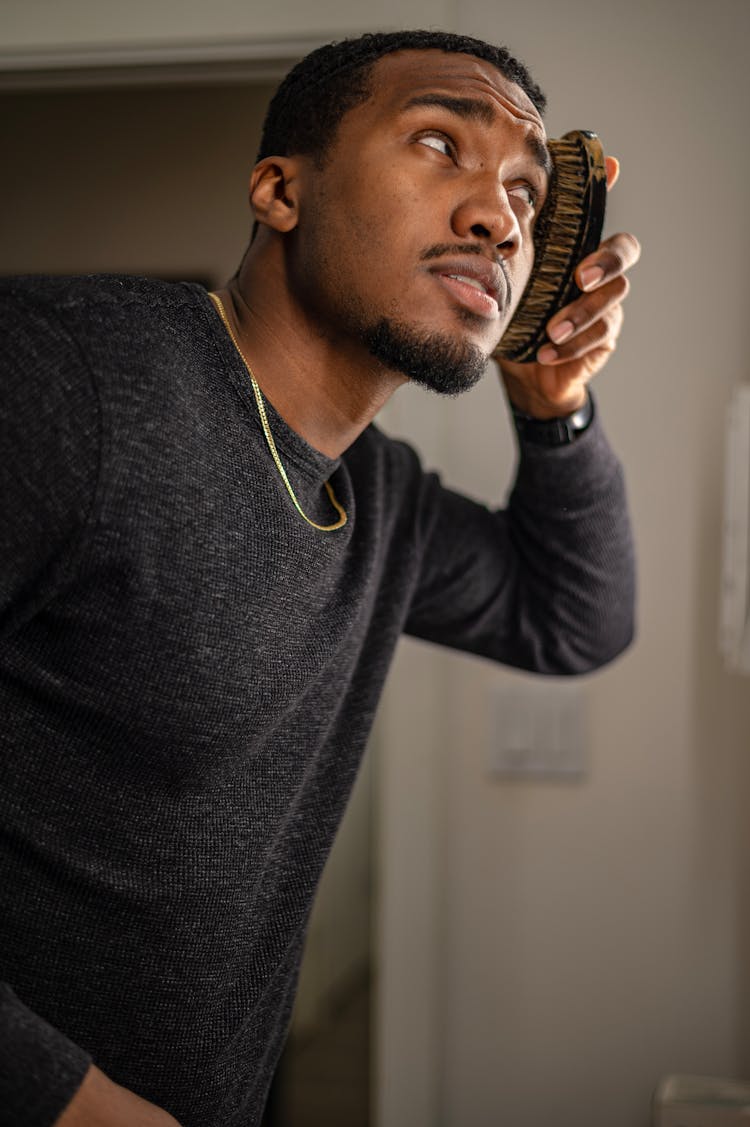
(485, 213)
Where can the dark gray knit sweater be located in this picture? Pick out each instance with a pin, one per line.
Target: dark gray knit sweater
(188, 674)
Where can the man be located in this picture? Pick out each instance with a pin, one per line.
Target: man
(209, 555)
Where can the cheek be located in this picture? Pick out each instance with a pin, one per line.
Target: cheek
(522, 263)
(377, 219)
(382, 240)
(367, 231)
(391, 208)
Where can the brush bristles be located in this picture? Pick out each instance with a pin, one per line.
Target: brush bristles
(569, 227)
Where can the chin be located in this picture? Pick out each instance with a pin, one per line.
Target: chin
(443, 363)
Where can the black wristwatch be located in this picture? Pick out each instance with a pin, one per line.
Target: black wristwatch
(554, 432)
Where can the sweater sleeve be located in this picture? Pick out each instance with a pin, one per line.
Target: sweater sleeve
(49, 443)
(40, 1070)
(546, 585)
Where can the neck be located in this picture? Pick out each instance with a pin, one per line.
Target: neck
(328, 389)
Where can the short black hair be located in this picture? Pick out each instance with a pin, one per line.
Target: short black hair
(305, 112)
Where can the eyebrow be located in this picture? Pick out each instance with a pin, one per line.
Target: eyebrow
(474, 109)
(471, 108)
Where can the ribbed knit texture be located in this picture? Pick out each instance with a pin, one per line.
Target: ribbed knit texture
(188, 675)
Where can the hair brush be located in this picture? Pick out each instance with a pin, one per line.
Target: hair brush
(568, 228)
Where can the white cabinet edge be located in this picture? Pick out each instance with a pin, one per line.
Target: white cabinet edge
(110, 65)
(734, 621)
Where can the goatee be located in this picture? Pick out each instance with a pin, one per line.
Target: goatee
(442, 363)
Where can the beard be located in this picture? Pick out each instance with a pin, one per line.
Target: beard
(434, 360)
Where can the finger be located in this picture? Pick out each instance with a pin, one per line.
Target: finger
(614, 256)
(612, 166)
(582, 312)
(602, 334)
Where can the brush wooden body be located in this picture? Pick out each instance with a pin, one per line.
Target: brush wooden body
(568, 228)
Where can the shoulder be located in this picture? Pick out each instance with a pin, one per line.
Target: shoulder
(103, 331)
(388, 473)
(92, 303)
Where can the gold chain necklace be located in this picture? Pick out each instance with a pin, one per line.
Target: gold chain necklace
(269, 437)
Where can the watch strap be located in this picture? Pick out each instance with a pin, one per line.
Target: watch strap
(557, 431)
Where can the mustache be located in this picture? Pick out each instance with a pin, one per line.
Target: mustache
(445, 250)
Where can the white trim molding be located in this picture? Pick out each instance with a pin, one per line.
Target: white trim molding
(221, 61)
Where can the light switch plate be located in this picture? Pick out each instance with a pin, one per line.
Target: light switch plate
(537, 730)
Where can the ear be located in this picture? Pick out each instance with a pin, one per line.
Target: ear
(274, 191)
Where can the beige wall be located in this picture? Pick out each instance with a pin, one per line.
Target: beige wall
(60, 25)
(550, 950)
(594, 936)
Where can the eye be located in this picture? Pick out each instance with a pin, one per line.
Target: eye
(438, 141)
(526, 193)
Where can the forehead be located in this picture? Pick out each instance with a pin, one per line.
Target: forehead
(403, 75)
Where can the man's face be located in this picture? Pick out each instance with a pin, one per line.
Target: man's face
(416, 236)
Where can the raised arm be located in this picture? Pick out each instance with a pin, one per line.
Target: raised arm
(547, 584)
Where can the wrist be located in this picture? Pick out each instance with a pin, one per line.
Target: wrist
(557, 430)
(550, 400)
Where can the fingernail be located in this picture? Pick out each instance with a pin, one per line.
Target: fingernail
(560, 332)
(591, 277)
(546, 354)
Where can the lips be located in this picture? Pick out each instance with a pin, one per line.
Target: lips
(475, 283)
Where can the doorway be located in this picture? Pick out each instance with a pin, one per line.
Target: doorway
(152, 180)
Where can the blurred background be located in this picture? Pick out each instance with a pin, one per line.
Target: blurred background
(487, 947)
